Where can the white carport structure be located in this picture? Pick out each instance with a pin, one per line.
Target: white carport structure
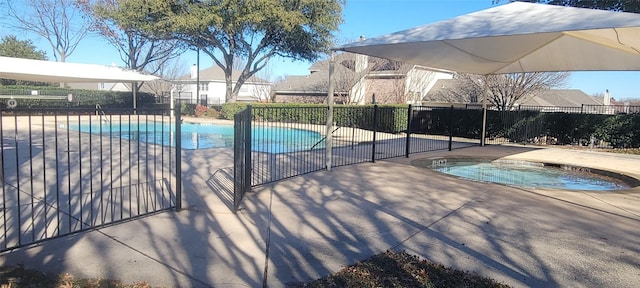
(516, 37)
(49, 71)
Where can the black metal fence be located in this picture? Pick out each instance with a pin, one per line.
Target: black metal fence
(585, 109)
(290, 141)
(187, 98)
(69, 170)
(581, 127)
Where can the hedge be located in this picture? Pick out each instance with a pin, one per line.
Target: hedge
(618, 131)
(391, 118)
(80, 98)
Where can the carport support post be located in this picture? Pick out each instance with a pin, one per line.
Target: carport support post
(408, 143)
(171, 98)
(375, 130)
(134, 90)
(450, 127)
(178, 160)
(328, 137)
(484, 112)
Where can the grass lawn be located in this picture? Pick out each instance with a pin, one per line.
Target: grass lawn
(388, 269)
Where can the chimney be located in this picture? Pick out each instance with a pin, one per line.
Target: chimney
(362, 61)
(194, 71)
(607, 98)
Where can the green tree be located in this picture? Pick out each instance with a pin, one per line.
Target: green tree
(254, 30)
(10, 46)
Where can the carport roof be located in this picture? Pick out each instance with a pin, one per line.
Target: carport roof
(49, 71)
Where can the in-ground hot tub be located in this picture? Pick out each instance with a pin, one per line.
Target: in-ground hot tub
(529, 174)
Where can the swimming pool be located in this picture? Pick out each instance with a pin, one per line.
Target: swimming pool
(525, 174)
(203, 136)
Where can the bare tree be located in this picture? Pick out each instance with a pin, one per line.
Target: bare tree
(420, 80)
(167, 70)
(239, 63)
(262, 84)
(137, 50)
(391, 86)
(504, 89)
(60, 22)
(349, 76)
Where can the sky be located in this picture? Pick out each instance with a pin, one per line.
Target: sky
(369, 18)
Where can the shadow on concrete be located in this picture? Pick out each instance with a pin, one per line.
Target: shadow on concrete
(221, 184)
(307, 227)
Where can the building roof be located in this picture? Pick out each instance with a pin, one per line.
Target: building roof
(550, 97)
(316, 82)
(215, 73)
(561, 98)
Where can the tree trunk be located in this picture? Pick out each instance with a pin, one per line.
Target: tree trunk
(230, 98)
(63, 58)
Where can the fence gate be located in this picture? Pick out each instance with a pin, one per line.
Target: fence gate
(66, 171)
(241, 156)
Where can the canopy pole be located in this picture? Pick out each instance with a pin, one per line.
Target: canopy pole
(171, 98)
(134, 90)
(328, 135)
(484, 111)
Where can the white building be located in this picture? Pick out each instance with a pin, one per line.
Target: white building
(213, 87)
(361, 79)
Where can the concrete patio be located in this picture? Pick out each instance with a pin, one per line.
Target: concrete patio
(309, 226)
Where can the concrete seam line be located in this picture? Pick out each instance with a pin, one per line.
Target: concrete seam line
(267, 243)
(584, 206)
(439, 219)
(605, 202)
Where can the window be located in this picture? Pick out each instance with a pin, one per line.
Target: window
(204, 86)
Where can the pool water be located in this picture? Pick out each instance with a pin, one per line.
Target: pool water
(204, 136)
(524, 174)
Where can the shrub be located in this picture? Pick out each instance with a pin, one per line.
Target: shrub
(56, 97)
(620, 131)
(188, 109)
(229, 109)
(200, 110)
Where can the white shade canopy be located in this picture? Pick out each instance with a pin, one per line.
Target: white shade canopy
(517, 37)
(49, 71)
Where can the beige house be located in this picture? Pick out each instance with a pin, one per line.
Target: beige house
(360, 79)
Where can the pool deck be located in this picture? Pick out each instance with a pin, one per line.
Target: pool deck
(309, 226)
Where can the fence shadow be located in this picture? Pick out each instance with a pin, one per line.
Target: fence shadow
(221, 183)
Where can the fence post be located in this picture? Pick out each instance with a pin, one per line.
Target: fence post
(2, 151)
(408, 147)
(247, 151)
(450, 127)
(375, 129)
(178, 120)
